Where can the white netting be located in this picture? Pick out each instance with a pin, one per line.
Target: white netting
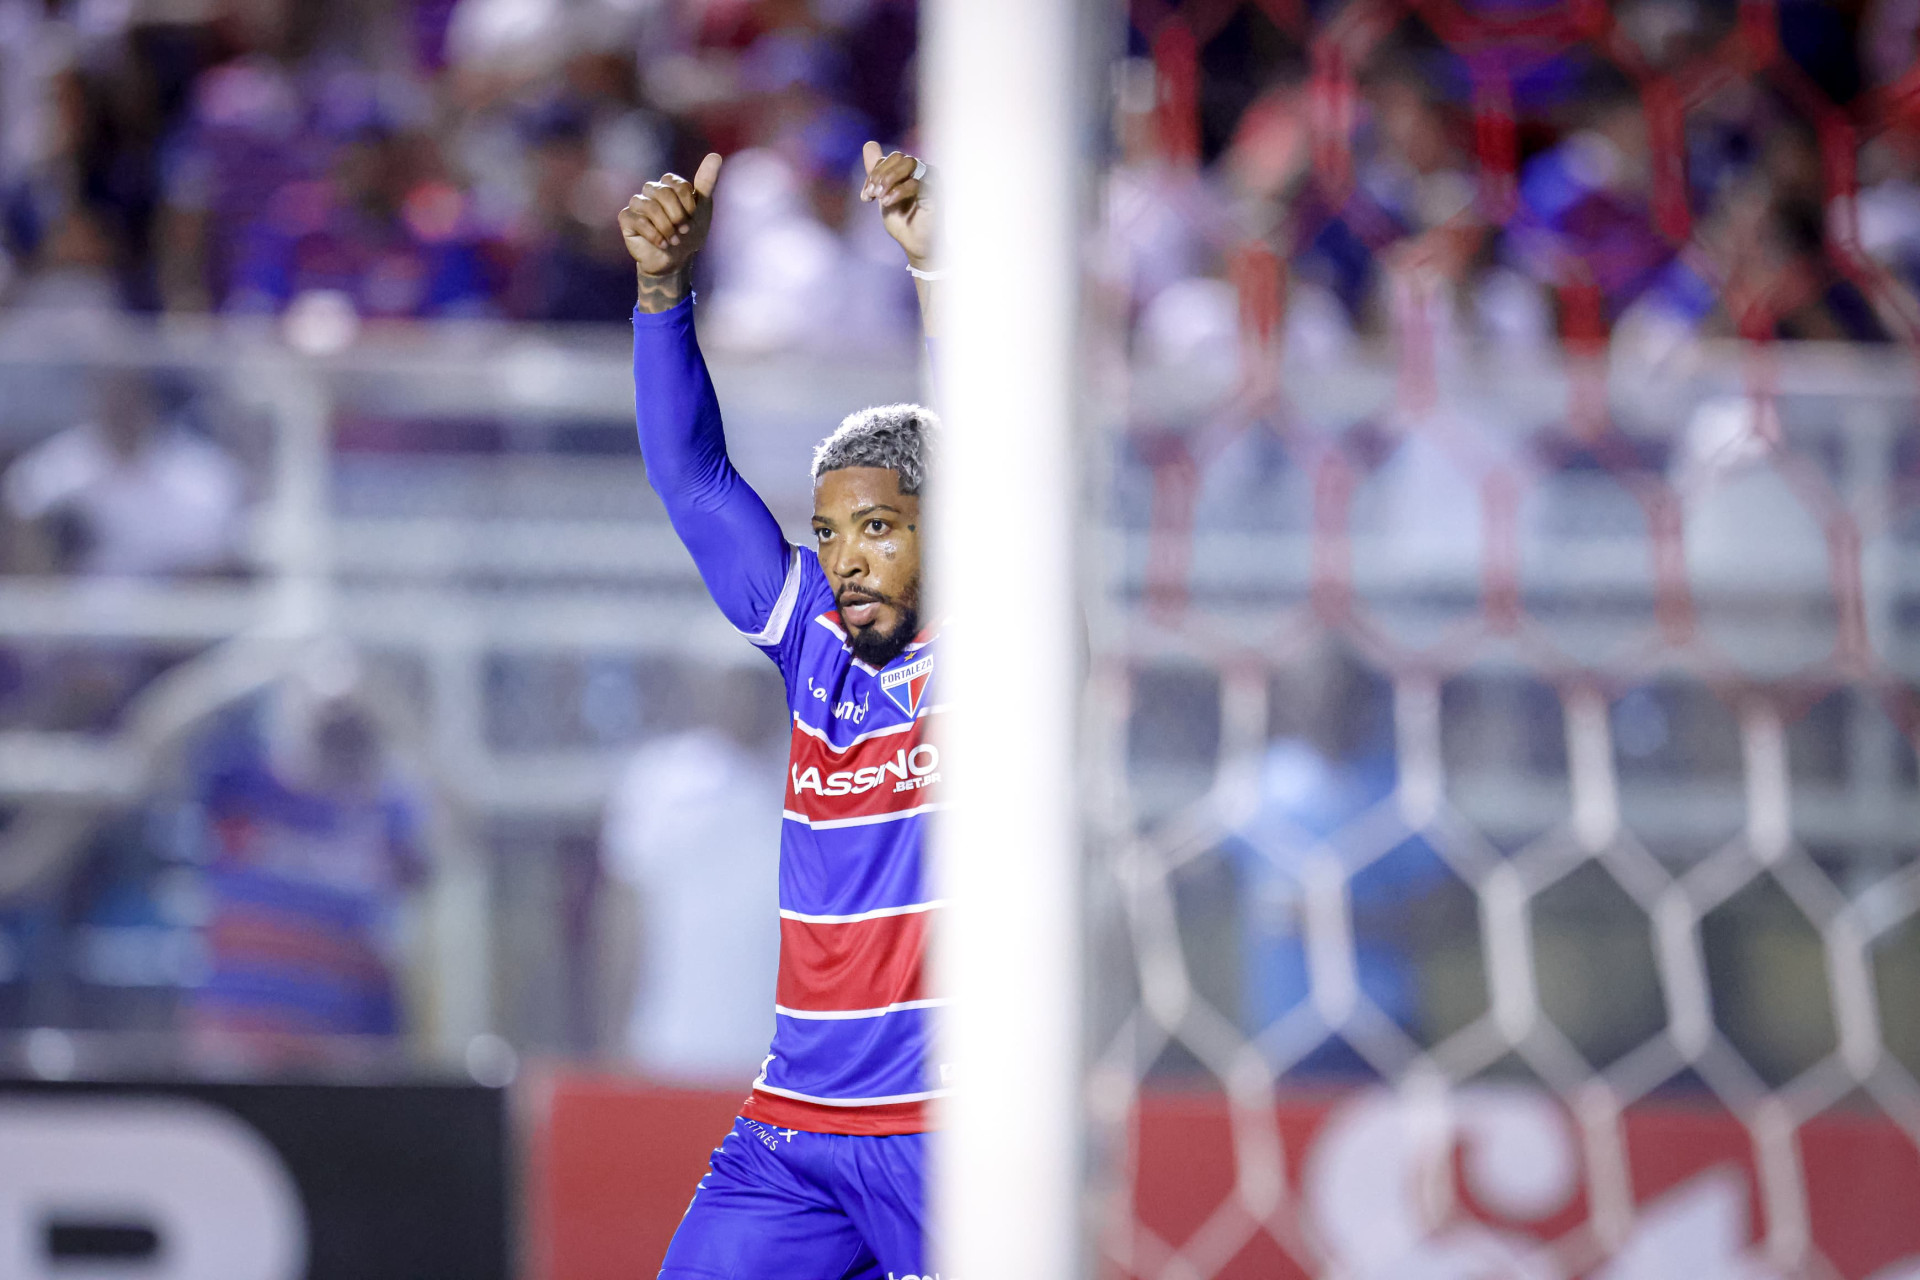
(1502, 790)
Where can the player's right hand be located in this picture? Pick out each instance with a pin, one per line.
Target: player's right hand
(665, 225)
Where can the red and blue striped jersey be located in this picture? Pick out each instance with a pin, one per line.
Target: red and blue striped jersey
(852, 1046)
(852, 1030)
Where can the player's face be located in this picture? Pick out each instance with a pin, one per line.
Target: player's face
(868, 534)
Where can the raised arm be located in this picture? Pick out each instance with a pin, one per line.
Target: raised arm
(897, 182)
(743, 557)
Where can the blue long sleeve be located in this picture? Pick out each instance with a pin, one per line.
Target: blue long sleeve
(743, 557)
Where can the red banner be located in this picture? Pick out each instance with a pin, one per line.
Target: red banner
(1508, 1182)
(1366, 1184)
(612, 1164)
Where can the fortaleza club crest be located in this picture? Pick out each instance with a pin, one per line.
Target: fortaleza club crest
(907, 685)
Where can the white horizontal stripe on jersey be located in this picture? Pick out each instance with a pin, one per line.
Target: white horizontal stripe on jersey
(776, 625)
(875, 914)
(852, 1102)
(841, 1015)
(828, 824)
(859, 738)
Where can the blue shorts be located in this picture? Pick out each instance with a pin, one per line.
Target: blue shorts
(783, 1204)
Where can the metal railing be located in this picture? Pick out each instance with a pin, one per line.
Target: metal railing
(549, 545)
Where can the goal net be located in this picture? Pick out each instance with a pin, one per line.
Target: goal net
(1497, 752)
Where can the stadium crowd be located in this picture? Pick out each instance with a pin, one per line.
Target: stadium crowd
(1512, 190)
(456, 158)
(433, 159)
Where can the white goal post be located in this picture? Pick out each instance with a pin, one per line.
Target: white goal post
(1002, 102)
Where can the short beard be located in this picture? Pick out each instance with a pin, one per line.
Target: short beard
(877, 649)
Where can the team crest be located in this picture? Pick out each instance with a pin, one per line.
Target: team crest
(907, 685)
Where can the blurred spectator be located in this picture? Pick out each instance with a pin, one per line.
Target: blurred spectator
(315, 846)
(1417, 172)
(1268, 164)
(1429, 243)
(790, 266)
(1887, 33)
(1889, 220)
(33, 54)
(242, 140)
(39, 121)
(513, 38)
(690, 849)
(1331, 764)
(385, 230)
(1586, 213)
(598, 143)
(133, 493)
(792, 269)
(1160, 237)
(573, 265)
(1890, 202)
(1758, 269)
(1663, 32)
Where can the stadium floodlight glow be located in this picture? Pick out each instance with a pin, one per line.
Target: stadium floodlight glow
(1002, 109)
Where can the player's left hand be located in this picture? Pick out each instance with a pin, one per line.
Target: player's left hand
(906, 203)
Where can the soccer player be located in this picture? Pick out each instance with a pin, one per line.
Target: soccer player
(823, 1175)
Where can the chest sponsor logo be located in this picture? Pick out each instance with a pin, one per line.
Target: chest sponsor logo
(910, 769)
(880, 776)
(906, 686)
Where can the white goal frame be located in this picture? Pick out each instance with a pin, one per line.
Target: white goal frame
(1001, 94)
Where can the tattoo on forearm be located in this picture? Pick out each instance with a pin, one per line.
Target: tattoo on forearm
(663, 293)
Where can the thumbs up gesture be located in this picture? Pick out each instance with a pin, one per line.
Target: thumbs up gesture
(898, 184)
(666, 224)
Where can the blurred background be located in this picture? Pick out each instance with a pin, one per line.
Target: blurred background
(363, 726)
(1500, 486)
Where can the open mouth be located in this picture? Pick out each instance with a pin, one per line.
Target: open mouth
(860, 610)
